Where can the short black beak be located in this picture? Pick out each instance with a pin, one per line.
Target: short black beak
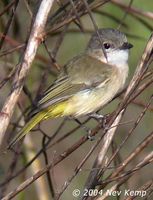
(126, 45)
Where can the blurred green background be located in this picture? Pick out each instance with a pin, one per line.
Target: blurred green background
(74, 42)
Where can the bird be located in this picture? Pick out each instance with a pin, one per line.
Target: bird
(87, 82)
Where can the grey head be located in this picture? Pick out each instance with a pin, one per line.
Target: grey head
(111, 39)
(114, 43)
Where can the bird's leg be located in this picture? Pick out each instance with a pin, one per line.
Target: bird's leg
(78, 122)
(82, 125)
(97, 116)
(88, 130)
(100, 118)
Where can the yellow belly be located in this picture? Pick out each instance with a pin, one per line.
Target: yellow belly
(89, 101)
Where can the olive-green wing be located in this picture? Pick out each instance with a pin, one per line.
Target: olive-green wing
(61, 91)
(83, 72)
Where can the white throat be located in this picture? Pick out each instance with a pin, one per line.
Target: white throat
(118, 58)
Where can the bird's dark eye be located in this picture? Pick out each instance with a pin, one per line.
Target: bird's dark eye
(107, 45)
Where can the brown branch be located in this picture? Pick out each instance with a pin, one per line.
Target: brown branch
(9, 23)
(133, 9)
(146, 187)
(127, 136)
(7, 7)
(125, 176)
(6, 52)
(95, 27)
(99, 161)
(73, 17)
(125, 14)
(56, 160)
(129, 158)
(34, 40)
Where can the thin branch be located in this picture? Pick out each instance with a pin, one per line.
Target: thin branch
(144, 188)
(129, 158)
(128, 135)
(99, 161)
(133, 9)
(34, 40)
(124, 177)
(9, 23)
(7, 7)
(56, 160)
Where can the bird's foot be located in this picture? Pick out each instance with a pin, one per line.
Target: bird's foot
(90, 136)
(87, 130)
(102, 119)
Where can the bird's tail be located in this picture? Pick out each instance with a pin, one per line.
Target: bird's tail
(26, 129)
(50, 112)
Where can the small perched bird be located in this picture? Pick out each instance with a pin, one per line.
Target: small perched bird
(87, 82)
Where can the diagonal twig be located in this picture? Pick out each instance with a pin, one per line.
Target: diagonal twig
(34, 40)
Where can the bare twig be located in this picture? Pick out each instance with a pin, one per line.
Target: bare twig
(133, 9)
(128, 135)
(147, 160)
(99, 161)
(9, 23)
(34, 40)
(7, 7)
(129, 158)
(145, 189)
